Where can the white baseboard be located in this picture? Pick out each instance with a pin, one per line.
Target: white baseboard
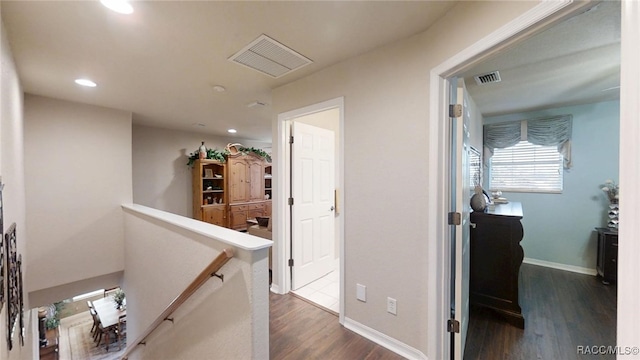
(565, 267)
(275, 289)
(381, 339)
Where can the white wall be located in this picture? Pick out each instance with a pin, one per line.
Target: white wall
(227, 320)
(559, 228)
(161, 177)
(13, 196)
(386, 96)
(78, 173)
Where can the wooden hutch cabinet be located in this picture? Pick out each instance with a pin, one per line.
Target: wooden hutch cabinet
(210, 192)
(246, 174)
(228, 194)
(247, 189)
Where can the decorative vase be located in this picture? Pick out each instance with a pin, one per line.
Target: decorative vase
(613, 215)
(202, 151)
(478, 200)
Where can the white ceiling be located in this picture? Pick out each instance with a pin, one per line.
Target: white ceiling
(574, 62)
(162, 61)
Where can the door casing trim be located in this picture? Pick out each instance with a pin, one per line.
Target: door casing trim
(281, 234)
(439, 300)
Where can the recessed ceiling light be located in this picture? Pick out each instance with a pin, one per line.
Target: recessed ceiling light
(86, 82)
(119, 6)
(219, 88)
(232, 131)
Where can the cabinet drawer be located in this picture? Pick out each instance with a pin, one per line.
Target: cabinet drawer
(239, 207)
(256, 206)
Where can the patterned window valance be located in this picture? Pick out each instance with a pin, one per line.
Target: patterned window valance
(548, 131)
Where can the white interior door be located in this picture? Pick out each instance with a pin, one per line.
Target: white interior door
(313, 234)
(461, 187)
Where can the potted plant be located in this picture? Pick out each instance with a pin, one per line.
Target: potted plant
(52, 319)
(118, 298)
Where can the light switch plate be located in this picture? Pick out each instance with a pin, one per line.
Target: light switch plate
(392, 306)
(361, 292)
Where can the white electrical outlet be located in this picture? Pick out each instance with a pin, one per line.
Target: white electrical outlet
(391, 306)
(361, 292)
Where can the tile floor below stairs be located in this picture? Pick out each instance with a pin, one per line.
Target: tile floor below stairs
(324, 291)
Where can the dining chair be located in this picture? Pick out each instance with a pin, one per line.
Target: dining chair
(121, 330)
(107, 334)
(96, 321)
(110, 291)
(90, 306)
(98, 330)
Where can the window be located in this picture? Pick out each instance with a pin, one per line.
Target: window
(475, 169)
(526, 167)
(88, 295)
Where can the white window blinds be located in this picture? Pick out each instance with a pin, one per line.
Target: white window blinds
(526, 167)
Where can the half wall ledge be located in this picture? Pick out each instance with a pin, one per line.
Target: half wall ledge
(231, 237)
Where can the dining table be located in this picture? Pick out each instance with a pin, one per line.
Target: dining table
(109, 314)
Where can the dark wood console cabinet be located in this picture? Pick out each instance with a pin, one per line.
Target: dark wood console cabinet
(496, 256)
(50, 350)
(607, 261)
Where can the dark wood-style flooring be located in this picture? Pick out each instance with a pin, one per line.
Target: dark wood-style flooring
(562, 310)
(299, 330)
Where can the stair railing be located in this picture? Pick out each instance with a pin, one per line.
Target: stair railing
(206, 274)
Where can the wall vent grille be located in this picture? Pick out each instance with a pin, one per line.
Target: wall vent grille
(270, 57)
(488, 78)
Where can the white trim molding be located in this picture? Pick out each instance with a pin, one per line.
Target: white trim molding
(628, 332)
(381, 339)
(282, 279)
(438, 302)
(275, 289)
(559, 266)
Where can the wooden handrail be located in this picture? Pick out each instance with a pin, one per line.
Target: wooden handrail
(215, 265)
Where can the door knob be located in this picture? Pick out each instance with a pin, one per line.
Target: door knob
(332, 208)
(473, 225)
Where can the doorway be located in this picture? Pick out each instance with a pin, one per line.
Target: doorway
(309, 260)
(438, 179)
(543, 209)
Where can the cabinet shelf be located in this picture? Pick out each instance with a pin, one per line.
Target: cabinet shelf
(210, 205)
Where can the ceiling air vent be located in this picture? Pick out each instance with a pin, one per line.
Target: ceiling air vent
(488, 78)
(270, 57)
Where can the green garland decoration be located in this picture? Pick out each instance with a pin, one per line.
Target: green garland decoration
(259, 152)
(212, 154)
(221, 155)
